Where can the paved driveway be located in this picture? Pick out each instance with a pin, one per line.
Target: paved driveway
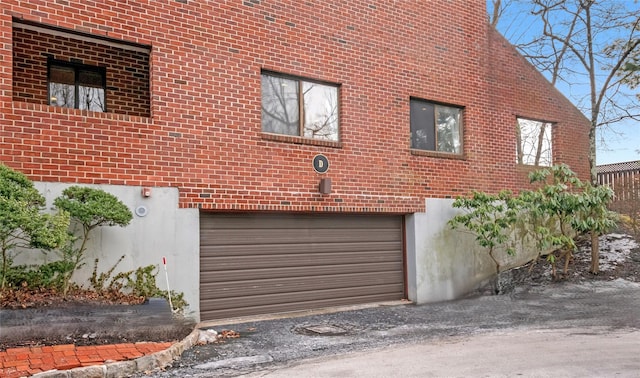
(589, 352)
(539, 325)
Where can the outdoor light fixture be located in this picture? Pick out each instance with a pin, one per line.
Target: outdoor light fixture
(325, 185)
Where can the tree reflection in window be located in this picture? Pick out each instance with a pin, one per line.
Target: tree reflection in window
(435, 127)
(280, 113)
(313, 115)
(76, 86)
(533, 146)
(448, 129)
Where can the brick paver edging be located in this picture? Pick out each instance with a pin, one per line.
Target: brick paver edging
(138, 356)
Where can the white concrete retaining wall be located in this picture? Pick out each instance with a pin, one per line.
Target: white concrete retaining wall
(165, 230)
(442, 264)
(445, 264)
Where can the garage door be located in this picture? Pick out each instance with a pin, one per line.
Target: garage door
(266, 263)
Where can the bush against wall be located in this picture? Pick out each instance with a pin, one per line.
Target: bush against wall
(553, 215)
(24, 227)
(140, 282)
(22, 224)
(89, 208)
(490, 218)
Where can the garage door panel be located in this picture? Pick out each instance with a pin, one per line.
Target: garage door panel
(274, 261)
(383, 292)
(295, 221)
(285, 236)
(280, 272)
(253, 287)
(299, 248)
(218, 313)
(260, 263)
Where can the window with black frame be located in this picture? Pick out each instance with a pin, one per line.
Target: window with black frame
(76, 86)
(435, 127)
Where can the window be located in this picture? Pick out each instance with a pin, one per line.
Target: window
(436, 127)
(73, 69)
(534, 142)
(299, 108)
(76, 86)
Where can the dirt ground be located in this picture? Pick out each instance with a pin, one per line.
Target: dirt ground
(619, 259)
(16, 299)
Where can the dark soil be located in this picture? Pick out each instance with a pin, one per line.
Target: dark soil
(21, 298)
(95, 334)
(614, 262)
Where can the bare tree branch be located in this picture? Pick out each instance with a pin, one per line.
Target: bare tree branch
(572, 48)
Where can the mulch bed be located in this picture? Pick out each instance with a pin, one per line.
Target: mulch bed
(21, 298)
(627, 268)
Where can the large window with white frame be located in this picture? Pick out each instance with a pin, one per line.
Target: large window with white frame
(533, 146)
(299, 107)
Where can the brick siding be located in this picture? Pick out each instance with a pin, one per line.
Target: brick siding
(204, 134)
(127, 71)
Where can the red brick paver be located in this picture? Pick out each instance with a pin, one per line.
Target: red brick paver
(24, 362)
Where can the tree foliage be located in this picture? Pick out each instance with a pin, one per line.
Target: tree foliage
(22, 225)
(552, 215)
(550, 211)
(93, 207)
(630, 70)
(490, 218)
(90, 208)
(594, 218)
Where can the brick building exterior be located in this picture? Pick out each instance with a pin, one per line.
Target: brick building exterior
(180, 88)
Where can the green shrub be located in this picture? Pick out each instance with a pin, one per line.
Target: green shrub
(90, 208)
(22, 225)
(140, 282)
(490, 218)
(46, 276)
(553, 215)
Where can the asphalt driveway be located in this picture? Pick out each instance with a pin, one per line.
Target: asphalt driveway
(553, 353)
(603, 309)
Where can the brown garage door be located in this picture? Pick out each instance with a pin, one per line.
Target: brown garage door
(265, 263)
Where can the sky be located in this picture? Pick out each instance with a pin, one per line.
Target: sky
(614, 145)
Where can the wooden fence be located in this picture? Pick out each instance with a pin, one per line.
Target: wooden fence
(624, 179)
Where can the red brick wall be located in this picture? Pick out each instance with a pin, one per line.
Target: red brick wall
(204, 136)
(522, 92)
(127, 71)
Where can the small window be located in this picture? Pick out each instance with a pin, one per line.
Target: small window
(534, 143)
(77, 86)
(436, 127)
(313, 115)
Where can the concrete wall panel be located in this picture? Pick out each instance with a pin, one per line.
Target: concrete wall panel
(445, 264)
(165, 230)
